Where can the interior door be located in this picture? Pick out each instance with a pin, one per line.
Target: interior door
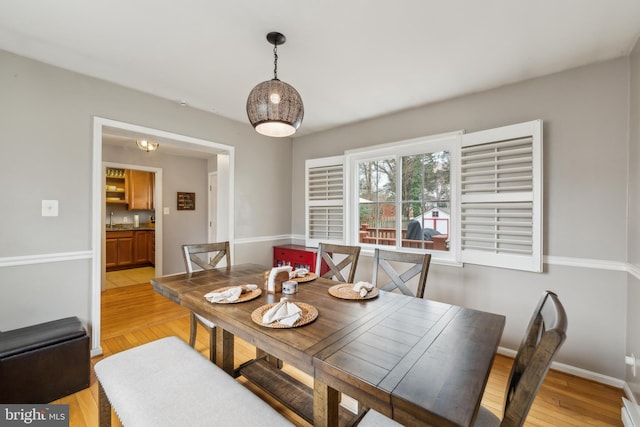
(213, 207)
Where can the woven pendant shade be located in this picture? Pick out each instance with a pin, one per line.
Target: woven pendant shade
(275, 108)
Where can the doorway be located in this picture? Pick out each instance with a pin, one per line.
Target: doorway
(171, 143)
(130, 230)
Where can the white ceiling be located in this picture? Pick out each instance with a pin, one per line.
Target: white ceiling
(349, 59)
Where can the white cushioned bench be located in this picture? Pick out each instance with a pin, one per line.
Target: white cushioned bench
(167, 383)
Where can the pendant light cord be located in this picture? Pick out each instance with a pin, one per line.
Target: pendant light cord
(275, 62)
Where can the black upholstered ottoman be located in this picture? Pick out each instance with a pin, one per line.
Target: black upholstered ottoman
(44, 362)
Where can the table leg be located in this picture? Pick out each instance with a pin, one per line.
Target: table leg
(326, 401)
(224, 350)
(273, 361)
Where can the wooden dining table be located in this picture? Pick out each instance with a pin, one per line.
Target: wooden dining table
(418, 361)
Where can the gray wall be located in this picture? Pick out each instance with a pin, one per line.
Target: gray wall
(633, 300)
(46, 153)
(46, 136)
(585, 113)
(178, 174)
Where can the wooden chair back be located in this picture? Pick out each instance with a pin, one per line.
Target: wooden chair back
(382, 260)
(327, 253)
(205, 255)
(545, 334)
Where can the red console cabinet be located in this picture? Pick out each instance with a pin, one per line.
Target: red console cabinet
(297, 257)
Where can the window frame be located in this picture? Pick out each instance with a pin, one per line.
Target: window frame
(441, 142)
(457, 142)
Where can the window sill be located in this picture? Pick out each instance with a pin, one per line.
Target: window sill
(369, 251)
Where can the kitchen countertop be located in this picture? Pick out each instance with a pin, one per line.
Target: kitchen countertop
(130, 227)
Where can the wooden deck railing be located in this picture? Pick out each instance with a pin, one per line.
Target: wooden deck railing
(387, 236)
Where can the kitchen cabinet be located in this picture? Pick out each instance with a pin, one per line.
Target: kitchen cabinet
(152, 247)
(115, 186)
(129, 249)
(297, 257)
(140, 189)
(119, 249)
(141, 247)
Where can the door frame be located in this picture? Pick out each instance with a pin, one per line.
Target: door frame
(213, 207)
(226, 163)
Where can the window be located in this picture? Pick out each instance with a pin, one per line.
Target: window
(466, 198)
(404, 196)
(415, 186)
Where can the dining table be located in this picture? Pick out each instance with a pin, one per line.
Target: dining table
(418, 361)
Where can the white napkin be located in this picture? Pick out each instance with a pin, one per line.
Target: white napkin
(230, 295)
(363, 288)
(300, 272)
(285, 312)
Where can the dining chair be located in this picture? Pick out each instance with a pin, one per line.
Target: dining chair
(545, 334)
(206, 256)
(337, 258)
(400, 275)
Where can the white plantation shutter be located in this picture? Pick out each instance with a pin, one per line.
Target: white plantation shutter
(501, 197)
(324, 201)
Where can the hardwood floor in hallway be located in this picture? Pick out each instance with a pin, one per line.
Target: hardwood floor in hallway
(132, 276)
(135, 314)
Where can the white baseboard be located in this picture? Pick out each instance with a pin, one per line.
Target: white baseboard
(578, 372)
(629, 394)
(630, 412)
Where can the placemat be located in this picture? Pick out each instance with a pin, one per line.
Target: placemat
(308, 315)
(345, 291)
(309, 277)
(247, 296)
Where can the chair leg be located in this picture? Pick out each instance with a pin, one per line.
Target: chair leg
(104, 413)
(212, 345)
(193, 330)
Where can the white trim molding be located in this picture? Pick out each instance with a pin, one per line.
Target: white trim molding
(599, 264)
(634, 270)
(44, 258)
(226, 159)
(629, 393)
(262, 239)
(572, 370)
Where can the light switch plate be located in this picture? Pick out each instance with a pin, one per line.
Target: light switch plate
(165, 210)
(49, 208)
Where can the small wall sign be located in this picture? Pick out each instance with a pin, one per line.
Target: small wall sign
(186, 201)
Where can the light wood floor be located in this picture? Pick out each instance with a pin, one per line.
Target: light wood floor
(135, 315)
(132, 276)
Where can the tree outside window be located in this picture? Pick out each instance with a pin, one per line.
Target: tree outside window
(416, 187)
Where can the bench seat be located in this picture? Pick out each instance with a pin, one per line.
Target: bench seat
(167, 383)
(44, 362)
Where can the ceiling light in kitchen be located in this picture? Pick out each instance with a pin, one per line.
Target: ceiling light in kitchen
(146, 145)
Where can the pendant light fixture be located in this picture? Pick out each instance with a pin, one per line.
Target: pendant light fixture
(275, 107)
(146, 145)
